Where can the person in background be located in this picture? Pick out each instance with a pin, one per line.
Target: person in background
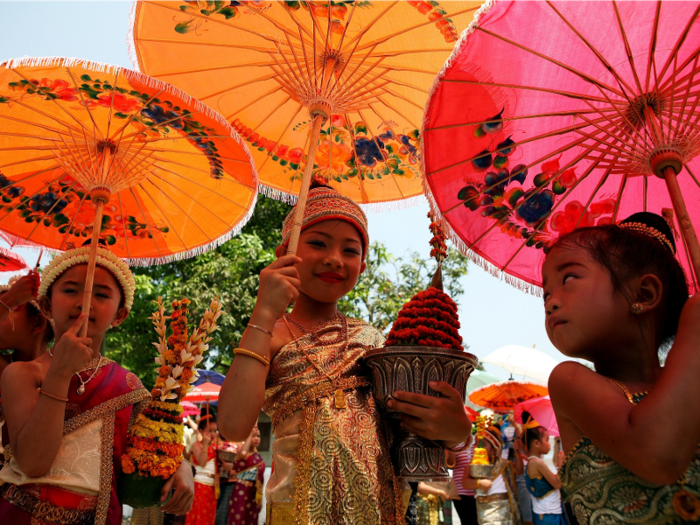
(521, 483)
(204, 459)
(542, 484)
(24, 330)
(226, 456)
(497, 497)
(249, 468)
(466, 504)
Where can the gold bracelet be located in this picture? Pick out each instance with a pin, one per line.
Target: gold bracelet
(61, 399)
(260, 328)
(243, 351)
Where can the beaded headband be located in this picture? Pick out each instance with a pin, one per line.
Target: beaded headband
(327, 204)
(105, 259)
(650, 232)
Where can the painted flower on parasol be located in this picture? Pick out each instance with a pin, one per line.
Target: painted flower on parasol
(155, 441)
(332, 90)
(562, 117)
(91, 151)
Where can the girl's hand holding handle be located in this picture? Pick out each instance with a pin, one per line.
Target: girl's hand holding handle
(279, 287)
(484, 484)
(72, 352)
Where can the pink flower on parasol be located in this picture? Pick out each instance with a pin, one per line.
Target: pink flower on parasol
(551, 116)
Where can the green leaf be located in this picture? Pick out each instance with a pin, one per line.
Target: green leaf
(228, 12)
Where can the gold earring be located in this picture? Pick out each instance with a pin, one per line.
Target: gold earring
(637, 308)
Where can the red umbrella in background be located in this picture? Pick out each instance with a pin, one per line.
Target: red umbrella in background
(204, 393)
(541, 410)
(10, 261)
(471, 413)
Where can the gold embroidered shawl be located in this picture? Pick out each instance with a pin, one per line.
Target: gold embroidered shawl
(331, 465)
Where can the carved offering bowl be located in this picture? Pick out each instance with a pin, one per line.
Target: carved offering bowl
(410, 369)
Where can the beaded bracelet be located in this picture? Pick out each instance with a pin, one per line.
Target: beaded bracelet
(243, 351)
(61, 399)
(260, 328)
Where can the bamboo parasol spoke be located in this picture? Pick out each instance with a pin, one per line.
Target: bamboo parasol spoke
(164, 215)
(243, 84)
(123, 215)
(95, 127)
(196, 202)
(681, 38)
(146, 221)
(257, 49)
(240, 65)
(253, 102)
(50, 210)
(34, 124)
(72, 222)
(284, 132)
(369, 26)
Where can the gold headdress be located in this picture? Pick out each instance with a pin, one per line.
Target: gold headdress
(327, 204)
(105, 259)
(651, 225)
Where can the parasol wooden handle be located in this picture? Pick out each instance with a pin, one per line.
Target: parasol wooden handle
(684, 222)
(90, 277)
(305, 183)
(100, 196)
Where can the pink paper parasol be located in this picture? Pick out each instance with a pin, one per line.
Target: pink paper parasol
(551, 116)
(189, 409)
(541, 410)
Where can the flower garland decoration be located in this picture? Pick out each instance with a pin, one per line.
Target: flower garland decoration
(430, 317)
(155, 441)
(105, 259)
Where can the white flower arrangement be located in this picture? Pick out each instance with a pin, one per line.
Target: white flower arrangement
(177, 364)
(106, 259)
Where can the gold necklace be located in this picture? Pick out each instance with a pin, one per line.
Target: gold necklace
(339, 395)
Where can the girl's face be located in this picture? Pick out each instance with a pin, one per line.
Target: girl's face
(212, 431)
(585, 315)
(543, 443)
(67, 299)
(331, 253)
(490, 450)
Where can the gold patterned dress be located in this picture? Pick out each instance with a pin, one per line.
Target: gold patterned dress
(331, 463)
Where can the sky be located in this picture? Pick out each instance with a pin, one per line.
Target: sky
(492, 313)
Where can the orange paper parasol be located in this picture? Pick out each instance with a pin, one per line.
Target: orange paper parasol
(505, 395)
(84, 144)
(343, 83)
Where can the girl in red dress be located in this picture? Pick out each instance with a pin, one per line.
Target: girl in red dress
(204, 459)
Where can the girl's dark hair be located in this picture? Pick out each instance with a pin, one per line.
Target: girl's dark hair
(532, 434)
(626, 253)
(205, 420)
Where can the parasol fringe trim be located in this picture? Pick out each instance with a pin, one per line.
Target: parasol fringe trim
(372, 207)
(143, 262)
(130, 43)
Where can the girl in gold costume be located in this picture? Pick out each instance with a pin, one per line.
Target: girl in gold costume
(331, 460)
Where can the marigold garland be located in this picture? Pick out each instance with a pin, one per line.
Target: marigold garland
(428, 319)
(155, 443)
